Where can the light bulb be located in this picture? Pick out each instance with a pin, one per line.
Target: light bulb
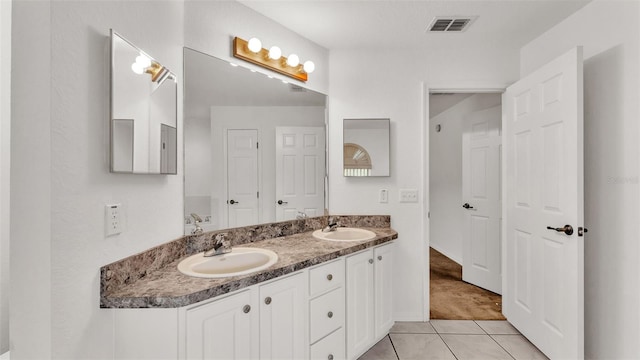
(275, 53)
(309, 66)
(143, 61)
(293, 60)
(254, 45)
(137, 68)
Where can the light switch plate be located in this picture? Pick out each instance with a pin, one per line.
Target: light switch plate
(408, 195)
(384, 196)
(112, 219)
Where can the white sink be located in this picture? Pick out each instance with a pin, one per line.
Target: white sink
(240, 261)
(344, 234)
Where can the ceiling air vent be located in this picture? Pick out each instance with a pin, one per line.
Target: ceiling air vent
(296, 88)
(450, 23)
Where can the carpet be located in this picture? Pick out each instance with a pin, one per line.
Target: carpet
(454, 299)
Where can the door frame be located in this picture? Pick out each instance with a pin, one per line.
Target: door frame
(427, 89)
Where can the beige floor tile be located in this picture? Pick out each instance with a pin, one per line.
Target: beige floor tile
(456, 327)
(498, 327)
(420, 347)
(519, 347)
(412, 328)
(383, 350)
(475, 347)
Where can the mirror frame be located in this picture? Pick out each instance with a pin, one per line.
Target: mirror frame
(165, 76)
(188, 222)
(363, 153)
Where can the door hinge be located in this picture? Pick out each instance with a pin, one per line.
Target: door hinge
(257, 145)
(258, 194)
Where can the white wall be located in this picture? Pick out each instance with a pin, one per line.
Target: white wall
(205, 154)
(364, 85)
(445, 173)
(611, 113)
(210, 27)
(5, 150)
(60, 180)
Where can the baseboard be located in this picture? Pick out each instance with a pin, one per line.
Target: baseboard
(447, 254)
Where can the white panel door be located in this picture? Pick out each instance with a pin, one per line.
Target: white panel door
(482, 211)
(242, 177)
(360, 303)
(283, 319)
(543, 180)
(300, 164)
(224, 329)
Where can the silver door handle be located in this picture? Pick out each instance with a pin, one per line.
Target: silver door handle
(567, 229)
(280, 202)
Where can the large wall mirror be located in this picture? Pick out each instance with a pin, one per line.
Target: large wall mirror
(254, 146)
(366, 147)
(143, 112)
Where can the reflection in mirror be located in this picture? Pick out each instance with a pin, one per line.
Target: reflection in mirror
(143, 103)
(254, 146)
(366, 147)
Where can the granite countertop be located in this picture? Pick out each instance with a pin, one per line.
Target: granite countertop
(166, 287)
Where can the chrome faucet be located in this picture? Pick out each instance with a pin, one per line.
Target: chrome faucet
(221, 245)
(196, 220)
(301, 215)
(331, 227)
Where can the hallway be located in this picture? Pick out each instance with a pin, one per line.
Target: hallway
(453, 299)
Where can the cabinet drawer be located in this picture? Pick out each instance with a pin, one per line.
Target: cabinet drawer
(326, 277)
(330, 348)
(326, 314)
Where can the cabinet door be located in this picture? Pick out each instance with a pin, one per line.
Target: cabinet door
(283, 318)
(223, 329)
(360, 335)
(383, 259)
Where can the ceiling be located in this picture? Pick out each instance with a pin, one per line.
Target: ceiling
(370, 24)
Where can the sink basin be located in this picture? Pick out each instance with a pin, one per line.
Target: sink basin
(345, 234)
(240, 261)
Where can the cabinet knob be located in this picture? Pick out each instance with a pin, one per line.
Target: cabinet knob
(246, 309)
(330, 314)
(267, 300)
(379, 257)
(329, 277)
(330, 357)
(370, 261)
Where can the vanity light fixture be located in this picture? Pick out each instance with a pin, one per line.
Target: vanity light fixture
(272, 58)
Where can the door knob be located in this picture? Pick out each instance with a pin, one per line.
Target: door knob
(567, 229)
(280, 202)
(233, 202)
(467, 206)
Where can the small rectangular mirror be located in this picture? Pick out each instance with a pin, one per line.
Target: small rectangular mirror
(144, 97)
(366, 147)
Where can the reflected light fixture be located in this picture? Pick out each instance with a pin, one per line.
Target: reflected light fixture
(272, 58)
(144, 64)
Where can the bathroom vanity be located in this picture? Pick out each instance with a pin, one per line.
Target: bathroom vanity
(322, 299)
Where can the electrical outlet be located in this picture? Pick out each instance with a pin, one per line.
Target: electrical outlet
(408, 196)
(112, 219)
(384, 196)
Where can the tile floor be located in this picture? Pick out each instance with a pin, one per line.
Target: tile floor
(453, 339)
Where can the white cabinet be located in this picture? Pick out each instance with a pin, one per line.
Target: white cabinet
(327, 311)
(283, 318)
(223, 329)
(369, 295)
(262, 322)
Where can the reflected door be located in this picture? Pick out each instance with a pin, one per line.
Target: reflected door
(242, 177)
(300, 163)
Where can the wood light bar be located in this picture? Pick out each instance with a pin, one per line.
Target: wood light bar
(241, 51)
